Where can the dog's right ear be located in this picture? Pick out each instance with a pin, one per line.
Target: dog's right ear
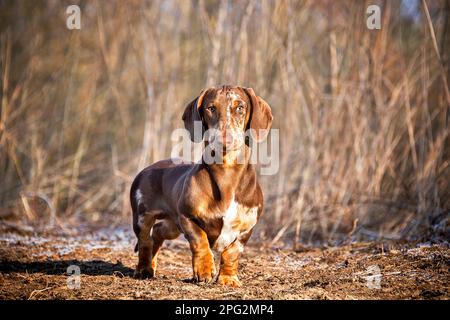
(191, 115)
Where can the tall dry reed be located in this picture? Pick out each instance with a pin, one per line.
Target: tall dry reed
(363, 114)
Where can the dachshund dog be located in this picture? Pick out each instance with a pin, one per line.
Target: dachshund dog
(215, 204)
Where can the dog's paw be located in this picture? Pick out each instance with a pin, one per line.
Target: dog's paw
(203, 278)
(144, 273)
(204, 271)
(231, 281)
(204, 274)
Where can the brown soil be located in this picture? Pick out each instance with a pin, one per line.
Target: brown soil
(34, 266)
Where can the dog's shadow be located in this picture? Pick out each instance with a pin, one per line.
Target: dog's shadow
(61, 267)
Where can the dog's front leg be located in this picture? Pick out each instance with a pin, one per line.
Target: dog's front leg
(229, 265)
(203, 266)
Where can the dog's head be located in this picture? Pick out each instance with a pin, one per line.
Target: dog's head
(226, 113)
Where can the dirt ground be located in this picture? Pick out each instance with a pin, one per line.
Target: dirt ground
(34, 266)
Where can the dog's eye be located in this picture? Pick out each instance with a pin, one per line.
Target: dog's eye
(240, 108)
(211, 109)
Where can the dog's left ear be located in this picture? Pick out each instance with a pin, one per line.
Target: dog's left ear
(192, 114)
(260, 117)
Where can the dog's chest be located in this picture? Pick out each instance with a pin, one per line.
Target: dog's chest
(237, 219)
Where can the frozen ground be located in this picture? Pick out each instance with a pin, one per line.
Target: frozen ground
(34, 266)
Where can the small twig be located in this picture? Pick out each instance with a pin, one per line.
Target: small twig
(29, 213)
(355, 224)
(34, 292)
(118, 273)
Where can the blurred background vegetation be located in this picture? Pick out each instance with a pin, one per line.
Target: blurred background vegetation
(363, 114)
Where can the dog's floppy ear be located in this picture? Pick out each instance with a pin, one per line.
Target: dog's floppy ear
(192, 114)
(260, 117)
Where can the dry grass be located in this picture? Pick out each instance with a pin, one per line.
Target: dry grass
(363, 114)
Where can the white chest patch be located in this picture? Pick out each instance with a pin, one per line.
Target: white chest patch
(237, 219)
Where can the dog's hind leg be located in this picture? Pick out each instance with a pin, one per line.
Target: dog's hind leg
(163, 230)
(142, 226)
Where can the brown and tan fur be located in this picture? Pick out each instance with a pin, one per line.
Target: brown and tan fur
(214, 205)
